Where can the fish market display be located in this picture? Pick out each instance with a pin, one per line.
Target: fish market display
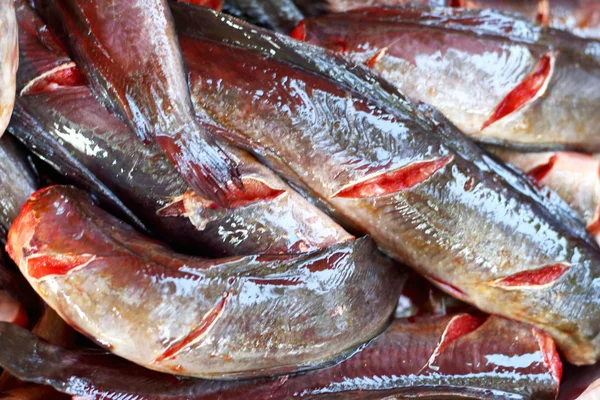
(384, 173)
(472, 358)
(139, 181)
(133, 62)
(210, 318)
(293, 199)
(525, 86)
(9, 58)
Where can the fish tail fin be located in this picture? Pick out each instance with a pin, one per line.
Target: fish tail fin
(207, 169)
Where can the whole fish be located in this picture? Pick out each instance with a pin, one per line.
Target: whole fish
(278, 15)
(56, 113)
(17, 182)
(497, 78)
(9, 59)
(226, 318)
(581, 17)
(456, 356)
(400, 172)
(128, 51)
(575, 177)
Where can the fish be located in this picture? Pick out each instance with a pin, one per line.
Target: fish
(216, 5)
(455, 356)
(580, 17)
(8, 61)
(399, 171)
(279, 15)
(212, 318)
(573, 176)
(56, 113)
(133, 63)
(33, 393)
(498, 78)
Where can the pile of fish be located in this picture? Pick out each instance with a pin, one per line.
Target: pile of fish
(299, 199)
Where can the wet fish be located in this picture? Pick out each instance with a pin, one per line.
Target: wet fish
(278, 15)
(17, 182)
(497, 78)
(133, 63)
(60, 120)
(581, 17)
(9, 59)
(227, 318)
(456, 356)
(575, 177)
(400, 172)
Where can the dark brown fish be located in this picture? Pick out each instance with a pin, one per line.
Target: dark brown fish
(59, 119)
(226, 318)
(581, 17)
(129, 53)
(17, 182)
(9, 59)
(497, 78)
(400, 172)
(456, 356)
(278, 15)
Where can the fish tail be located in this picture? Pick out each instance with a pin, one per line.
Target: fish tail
(209, 171)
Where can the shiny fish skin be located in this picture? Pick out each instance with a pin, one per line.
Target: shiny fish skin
(476, 365)
(138, 73)
(9, 60)
(67, 127)
(17, 182)
(581, 17)
(473, 66)
(288, 116)
(575, 177)
(227, 318)
(278, 15)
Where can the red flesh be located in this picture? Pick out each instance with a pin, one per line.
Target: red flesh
(524, 92)
(299, 32)
(448, 288)
(542, 276)
(538, 173)
(41, 266)
(206, 323)
(551, 356)
(458, 326)
(68, 77)
(394, 181)
(214, 4)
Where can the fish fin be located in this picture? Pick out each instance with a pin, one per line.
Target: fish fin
(208, 170)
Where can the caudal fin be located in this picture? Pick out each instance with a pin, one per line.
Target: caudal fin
(208, 170)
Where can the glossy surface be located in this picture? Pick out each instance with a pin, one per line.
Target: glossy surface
(129, 53)
(278, 15)
(9, 59)
(17, 182)
(68, 128)
(581, 17)
(465, 226)
(496, 78)
(499, 359)
(575, 177)
(230, 318)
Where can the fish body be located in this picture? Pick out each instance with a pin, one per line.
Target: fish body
(133, 63)
(497, 78)
(279, 15)
(58, 118)
(420, 359)
(9, 60)
(225, 318)
(403, 175)
(580, 17)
